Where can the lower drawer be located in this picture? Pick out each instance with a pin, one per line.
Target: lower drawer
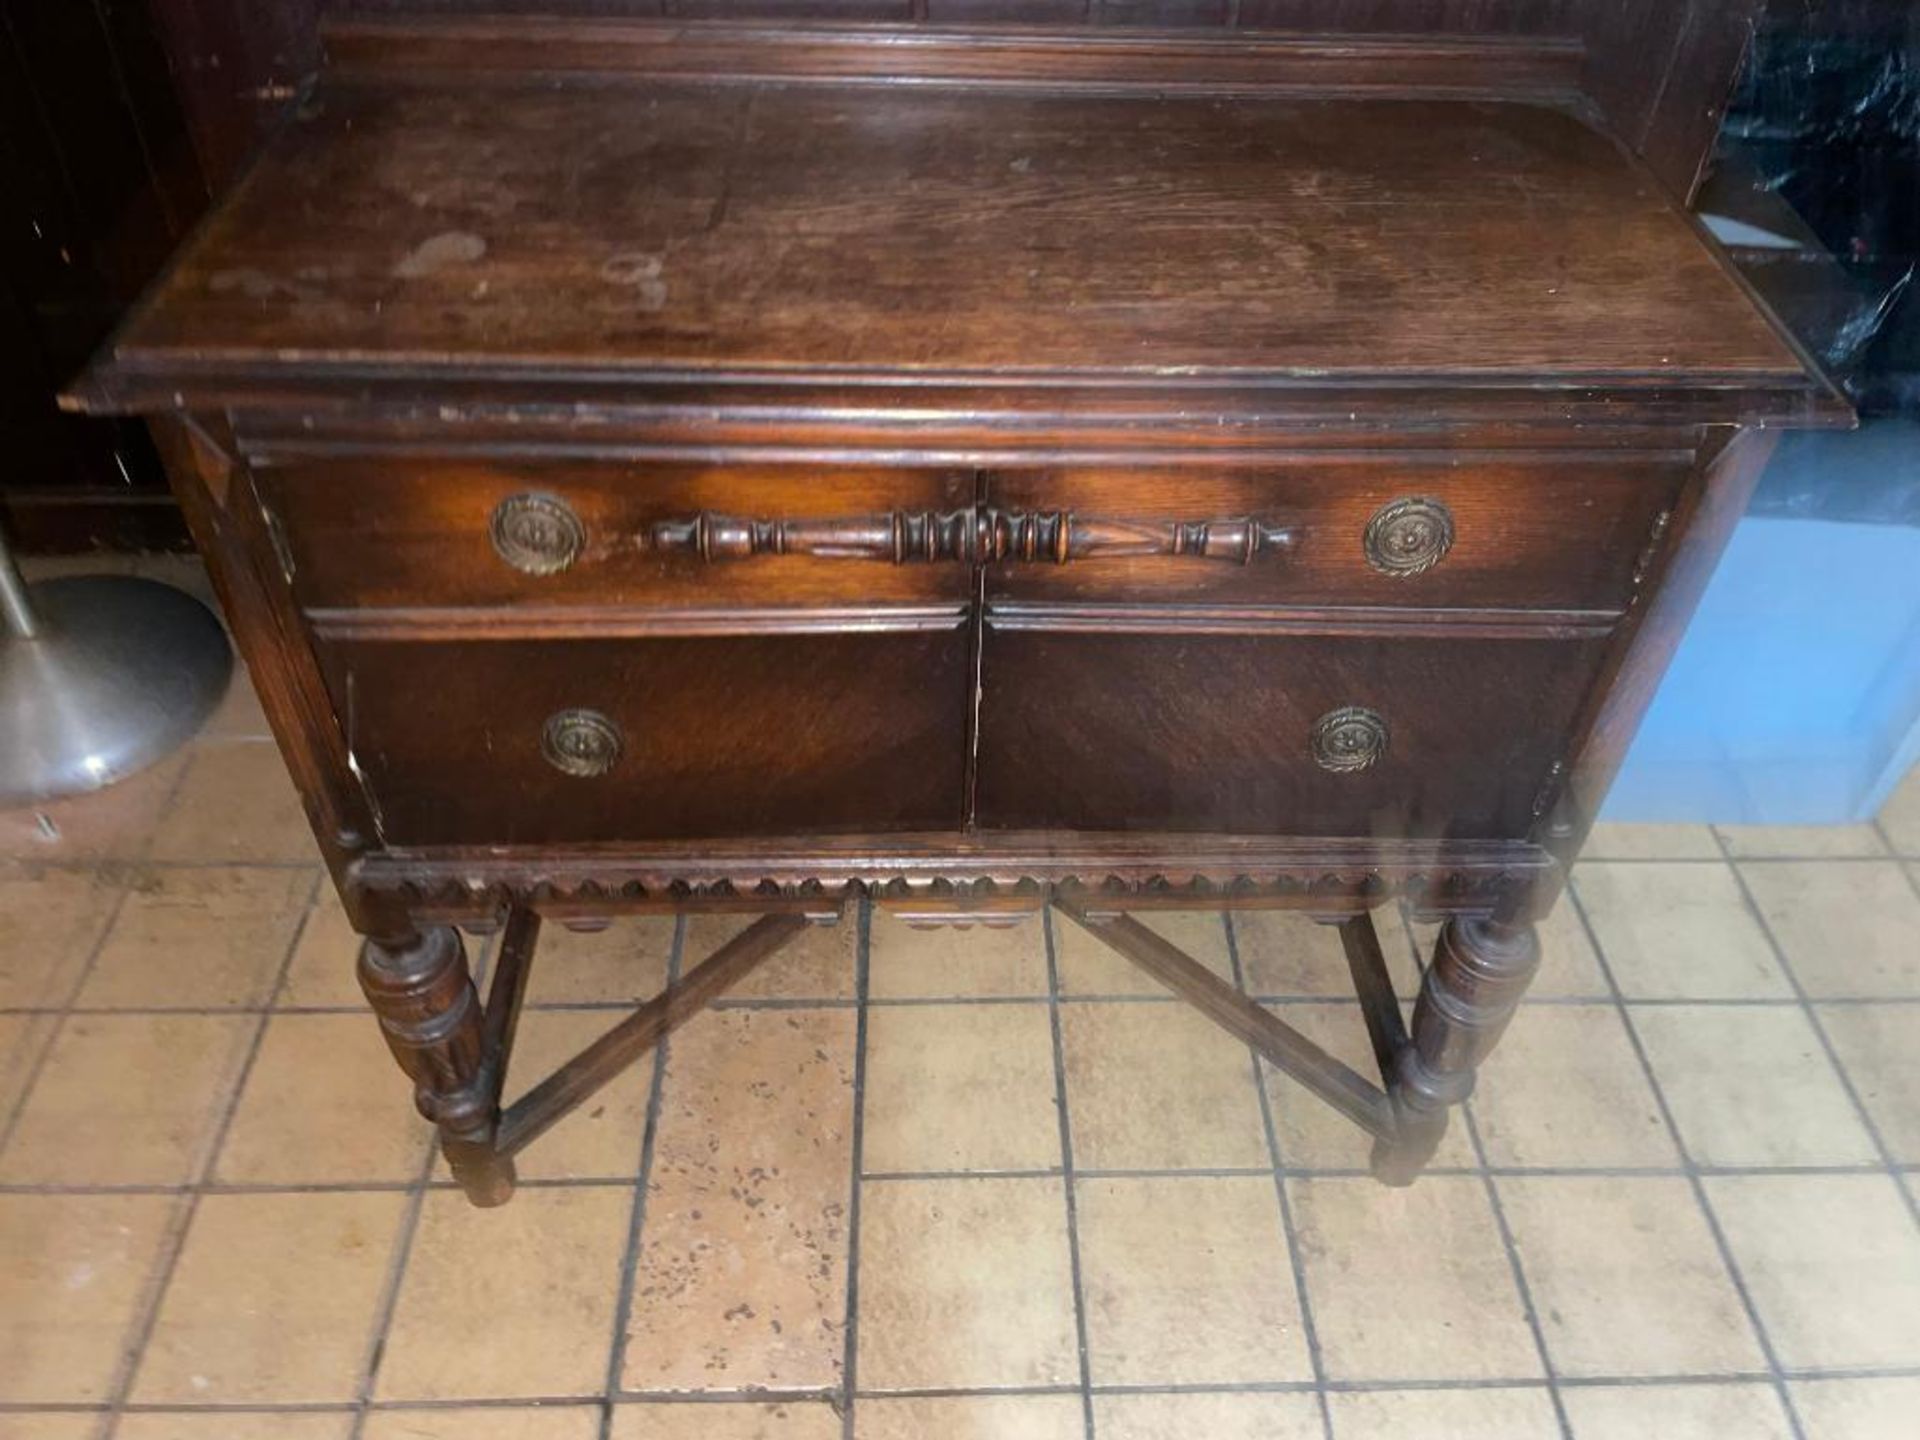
(1274, 734)
(540, 742)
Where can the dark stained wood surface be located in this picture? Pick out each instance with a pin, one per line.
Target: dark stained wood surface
(720, 736)
(646, 494)
(1660, 68)
(1703, 526)
(373, 531)
(1161, 61)
(1553, 532)
(687, 228)
(1213, 731)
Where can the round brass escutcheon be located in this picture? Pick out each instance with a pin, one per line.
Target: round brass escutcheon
(537, 534)
(1348, 739)
(580, 742)
(1409, 536)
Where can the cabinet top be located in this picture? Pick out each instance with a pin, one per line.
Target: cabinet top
(679, 230)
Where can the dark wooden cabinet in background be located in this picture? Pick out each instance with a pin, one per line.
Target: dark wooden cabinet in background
(685, 466)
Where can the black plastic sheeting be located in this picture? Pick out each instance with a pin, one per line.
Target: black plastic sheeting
(1826, 118)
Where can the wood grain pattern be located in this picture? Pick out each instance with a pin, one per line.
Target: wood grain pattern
(724, 736)
(419, 987)
(653, 495)
(369, 531)
(215, 491)
(1660, 68)
(1560, 533)
(1085, 731)
(1676, 577)
(1479, 971)
(757, 45)
(1141, 870)
(693, 230)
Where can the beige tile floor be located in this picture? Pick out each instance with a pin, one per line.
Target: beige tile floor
(987, 1186)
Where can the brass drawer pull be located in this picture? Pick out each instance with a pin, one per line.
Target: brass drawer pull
(1349, 739)
(537, 534)
(580, 742)
(899, 536)
(1060, 535)
(1409, 536)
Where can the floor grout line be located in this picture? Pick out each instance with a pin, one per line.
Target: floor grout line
(850, 1336)
(1695, 1184)
(1728, 857)
(31, 1080)
(1812, 1013)
(174, 1244)
(1502, 1227)
(404, 1236)
(622, 1007)
(1519, 1270)
(1910, 864)
(403, 1241)
(169, 1254)
(1288, 1230)
(1297, 1172)
(1068, 1174)
(640, 1399)
(637, 1215)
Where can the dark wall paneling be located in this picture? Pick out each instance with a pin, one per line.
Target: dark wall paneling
(101, 182)
(236, 62)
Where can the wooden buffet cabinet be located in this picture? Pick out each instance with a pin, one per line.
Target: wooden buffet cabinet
(717, 467)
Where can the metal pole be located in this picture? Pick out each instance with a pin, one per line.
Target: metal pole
(16, 610)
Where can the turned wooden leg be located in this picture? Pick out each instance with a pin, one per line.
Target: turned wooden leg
(1480, 970)
(419, 986)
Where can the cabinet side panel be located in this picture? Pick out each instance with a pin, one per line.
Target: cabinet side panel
(1677, 576)
(216, 493)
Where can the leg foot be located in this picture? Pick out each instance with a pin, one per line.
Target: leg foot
(419, 986)
(1480, 970)
(485, 1175)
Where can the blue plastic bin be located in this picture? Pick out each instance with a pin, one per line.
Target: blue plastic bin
(1795, 696)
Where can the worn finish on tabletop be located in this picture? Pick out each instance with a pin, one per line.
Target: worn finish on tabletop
(688, 227)
(691, 491)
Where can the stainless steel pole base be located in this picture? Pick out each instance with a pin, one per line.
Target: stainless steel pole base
(113, 674)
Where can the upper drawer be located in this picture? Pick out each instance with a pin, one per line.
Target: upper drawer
(1549, 533)
(378, 531)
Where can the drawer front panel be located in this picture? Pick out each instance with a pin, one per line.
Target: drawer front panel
(370, 531)
(1273, 734)
(575, 741)
(1564, 533)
